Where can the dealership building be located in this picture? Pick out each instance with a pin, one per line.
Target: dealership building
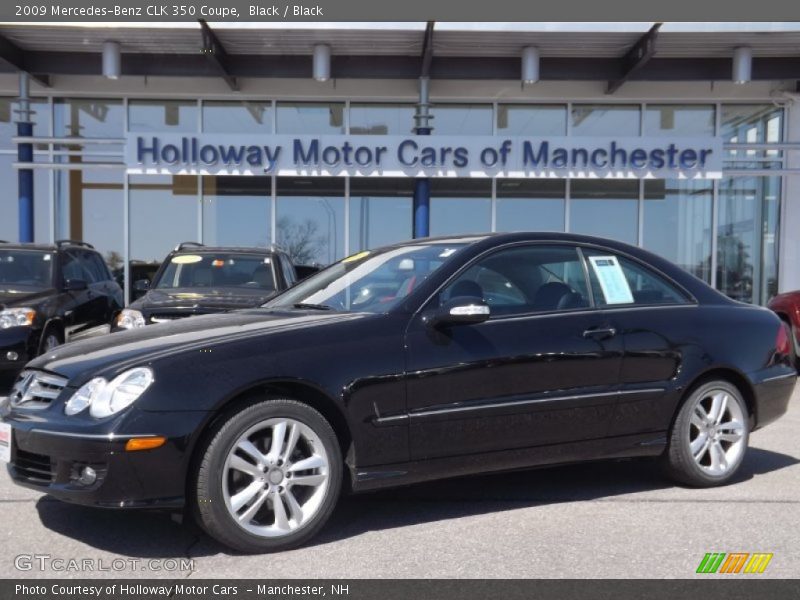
(329, 139)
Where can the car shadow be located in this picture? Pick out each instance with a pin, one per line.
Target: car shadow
(144, 534)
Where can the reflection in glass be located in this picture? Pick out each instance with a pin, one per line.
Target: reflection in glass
(530, 205)
(677, 222)
(164, 212)
(460, 206)
(381, 119)
(747, 260)
(319, 118)
(236, 211)
(88, 118)
(532, 119)
(462, 119)
(605, 119)
(380, 211)
(162, 115)
(231, 116)
(310, 218)
(752, 123)
(9, 205)
(90, 207)
(605, 208)
(679, 119)
(9, 118)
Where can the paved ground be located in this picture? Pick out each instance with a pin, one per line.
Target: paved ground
(601, 520)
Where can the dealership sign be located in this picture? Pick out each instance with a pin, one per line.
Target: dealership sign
(425, 156)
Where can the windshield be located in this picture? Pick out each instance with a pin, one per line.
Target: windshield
(370, 281)
(218, 270)
(26, 268)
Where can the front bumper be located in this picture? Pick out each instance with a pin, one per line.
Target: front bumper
(50, 460)
(21, 341)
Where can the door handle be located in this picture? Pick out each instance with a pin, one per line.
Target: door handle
(600, 333)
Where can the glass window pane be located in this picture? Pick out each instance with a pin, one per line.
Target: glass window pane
(382, 119)
(530, 204)
(310, 218)
(460, 206)
(525, 280)
(462, 119)
(380, 211)
(747, 258)
(90, 208)
(162, 115)
(89, 118)
(532, 119)
(236, 211)
(311, 117)
(679, 119)
(164, 212)
(752, 123)
(677, 222)
(247, 116)
(605, 119)
(605, 208)
(9, 118)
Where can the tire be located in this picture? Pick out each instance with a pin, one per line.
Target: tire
(242, 474)
(51, 338)
(703, 451)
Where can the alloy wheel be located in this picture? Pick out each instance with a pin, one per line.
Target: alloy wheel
(275, 477)
(717, 432)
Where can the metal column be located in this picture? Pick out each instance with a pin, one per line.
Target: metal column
(422, 185)
(25, 154)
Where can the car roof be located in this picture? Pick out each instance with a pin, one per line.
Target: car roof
(215, 249)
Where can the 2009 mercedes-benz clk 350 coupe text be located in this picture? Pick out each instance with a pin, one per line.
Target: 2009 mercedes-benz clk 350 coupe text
(429, 359)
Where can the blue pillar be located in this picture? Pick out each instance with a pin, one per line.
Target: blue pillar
(25, 178)
(422, 207)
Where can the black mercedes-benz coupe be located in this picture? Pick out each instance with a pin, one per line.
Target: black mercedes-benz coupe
(429, 359)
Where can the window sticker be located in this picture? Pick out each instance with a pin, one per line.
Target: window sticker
(186, 259)
(356, 257)
(612, 280)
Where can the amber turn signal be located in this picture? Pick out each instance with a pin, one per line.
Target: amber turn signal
(148, 443)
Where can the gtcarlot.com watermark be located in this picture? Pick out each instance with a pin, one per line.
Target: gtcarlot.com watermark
(58, 564)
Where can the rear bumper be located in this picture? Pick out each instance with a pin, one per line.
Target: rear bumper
(772, 390)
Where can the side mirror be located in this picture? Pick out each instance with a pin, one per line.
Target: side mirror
(75, 285)
(463, 310)
(141, 285)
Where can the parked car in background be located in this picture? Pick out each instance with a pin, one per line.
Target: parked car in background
(197, 280)
(51, 294)
(141, 273)
(787, 307)
(423, 360)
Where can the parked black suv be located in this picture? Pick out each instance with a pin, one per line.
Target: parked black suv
(51, 294)
(196, 280)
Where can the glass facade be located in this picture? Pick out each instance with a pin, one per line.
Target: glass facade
(725, 231)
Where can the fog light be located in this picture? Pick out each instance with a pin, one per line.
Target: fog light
(12, 356)
(88, 476)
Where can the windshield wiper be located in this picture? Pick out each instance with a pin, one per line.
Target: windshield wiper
(312, 306)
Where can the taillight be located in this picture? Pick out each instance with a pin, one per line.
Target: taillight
(783, 343)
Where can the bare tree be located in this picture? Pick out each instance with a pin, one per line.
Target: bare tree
(114, 260)
(301, 241)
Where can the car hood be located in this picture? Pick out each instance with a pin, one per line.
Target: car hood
(20, 296)
(110, 353)
(189, 300)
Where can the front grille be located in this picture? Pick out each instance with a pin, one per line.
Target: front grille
(36, 468)
(35, 390)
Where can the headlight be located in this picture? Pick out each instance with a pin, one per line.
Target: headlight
(108, 398)
(130, 319)
(16, 317)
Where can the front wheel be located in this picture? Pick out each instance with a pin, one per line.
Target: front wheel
(709, 437)
(269, 477)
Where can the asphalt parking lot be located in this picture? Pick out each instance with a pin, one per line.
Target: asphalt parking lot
(612, 520)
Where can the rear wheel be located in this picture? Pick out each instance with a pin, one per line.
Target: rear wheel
(269, 478)
(709, 437)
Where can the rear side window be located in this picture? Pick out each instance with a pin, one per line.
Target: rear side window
(619, 281)
(96, 266)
